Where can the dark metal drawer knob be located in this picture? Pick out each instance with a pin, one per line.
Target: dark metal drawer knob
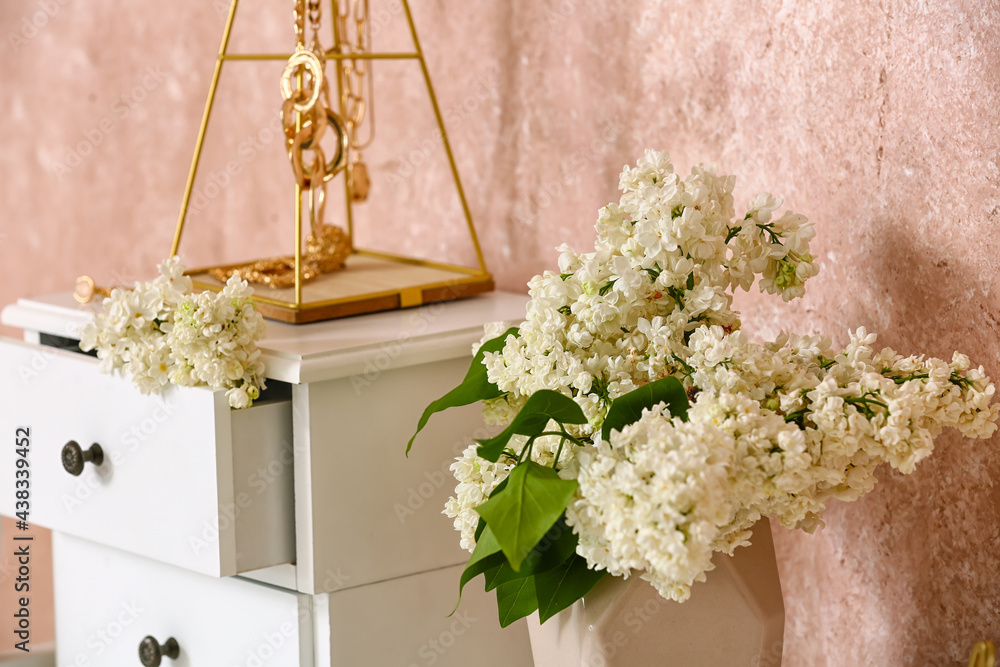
(74, 456)
(151, 651)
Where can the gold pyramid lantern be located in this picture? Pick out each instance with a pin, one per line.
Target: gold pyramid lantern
(310, 156)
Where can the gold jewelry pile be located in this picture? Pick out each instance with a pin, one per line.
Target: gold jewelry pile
(305, 116)
(323, 255)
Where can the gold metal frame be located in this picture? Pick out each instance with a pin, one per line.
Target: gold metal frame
(468, 281)
(983, 655)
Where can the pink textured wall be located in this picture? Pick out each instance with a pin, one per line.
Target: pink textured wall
(879, 120)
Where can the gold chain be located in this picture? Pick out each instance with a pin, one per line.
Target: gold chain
(315, 11)
(315, 14)
(305, 115)
(983, 655)
(299, 21)
(356, 76)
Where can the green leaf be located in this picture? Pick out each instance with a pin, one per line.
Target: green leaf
(475, 387)
(532, 419)
(520, 515)
(494, 577)
(485, 556)
(554, 549)
(627, 408)
(515, 600)
(559, 588)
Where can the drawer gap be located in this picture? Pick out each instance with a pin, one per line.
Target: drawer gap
(64, 343)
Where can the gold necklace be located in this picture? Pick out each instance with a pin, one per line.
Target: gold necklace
(356, 75)
(306, 114)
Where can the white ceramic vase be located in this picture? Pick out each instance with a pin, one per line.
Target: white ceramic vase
(735, 617)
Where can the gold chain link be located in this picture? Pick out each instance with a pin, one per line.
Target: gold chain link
(356, 71)
(299, 21)
(315, 13)
(352, 27)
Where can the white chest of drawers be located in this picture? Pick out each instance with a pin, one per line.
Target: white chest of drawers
(293, 533)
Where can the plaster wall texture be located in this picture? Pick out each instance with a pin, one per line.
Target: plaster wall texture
(878, 120)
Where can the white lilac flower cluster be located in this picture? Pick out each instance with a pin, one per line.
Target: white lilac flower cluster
(774, 429)
(160, 332)
(666, 260)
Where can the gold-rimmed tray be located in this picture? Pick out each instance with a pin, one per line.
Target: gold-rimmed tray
(370, 282)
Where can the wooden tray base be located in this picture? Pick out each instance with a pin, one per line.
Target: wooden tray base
(367, 284)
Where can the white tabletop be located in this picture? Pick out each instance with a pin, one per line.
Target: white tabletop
(301, 353)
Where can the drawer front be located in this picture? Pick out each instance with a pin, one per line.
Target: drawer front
(168, 487)
(107, 601)
(372, 513)
(413, 611)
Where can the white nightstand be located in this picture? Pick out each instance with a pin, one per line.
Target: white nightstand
(291, 533)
